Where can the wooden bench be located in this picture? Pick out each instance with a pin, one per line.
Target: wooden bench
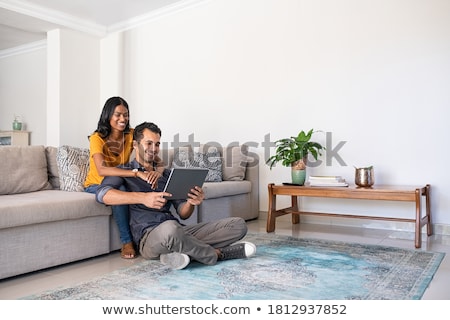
(379, 192)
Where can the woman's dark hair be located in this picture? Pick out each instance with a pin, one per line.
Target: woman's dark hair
(139, 129)
(104, 126)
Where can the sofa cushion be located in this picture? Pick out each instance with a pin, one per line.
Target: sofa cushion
(211, 160)
(23, 169)
(47, 206)
(73, 165)
(234, 163)
(52, 167)
(226, 188)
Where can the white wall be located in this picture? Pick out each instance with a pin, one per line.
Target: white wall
(79, 87)
(111, 68)
(374, 74)
(23, 92)
(56, 89)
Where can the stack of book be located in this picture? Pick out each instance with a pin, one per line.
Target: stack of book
(327, 181)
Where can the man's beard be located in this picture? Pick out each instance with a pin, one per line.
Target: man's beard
(148, 158)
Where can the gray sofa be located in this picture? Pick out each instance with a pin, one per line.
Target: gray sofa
(46, 219)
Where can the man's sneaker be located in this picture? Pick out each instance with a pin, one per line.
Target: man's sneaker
(175, 260)
(238, 251)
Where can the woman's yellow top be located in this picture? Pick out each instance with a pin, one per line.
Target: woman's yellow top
(112, 159)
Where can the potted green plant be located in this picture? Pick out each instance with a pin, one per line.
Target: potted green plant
(293, 152)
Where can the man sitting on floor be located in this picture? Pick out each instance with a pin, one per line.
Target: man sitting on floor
(159, 234)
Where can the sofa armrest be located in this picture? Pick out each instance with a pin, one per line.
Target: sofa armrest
(252, 175)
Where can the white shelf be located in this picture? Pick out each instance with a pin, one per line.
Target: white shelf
(14, 138)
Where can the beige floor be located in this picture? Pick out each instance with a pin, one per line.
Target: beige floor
(439, 288)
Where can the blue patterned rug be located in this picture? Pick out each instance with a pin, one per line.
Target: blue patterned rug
(284, 268)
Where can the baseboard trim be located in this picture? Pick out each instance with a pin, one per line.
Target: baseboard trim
(438, 229)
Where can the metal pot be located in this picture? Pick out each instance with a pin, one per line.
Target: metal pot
(364, 177)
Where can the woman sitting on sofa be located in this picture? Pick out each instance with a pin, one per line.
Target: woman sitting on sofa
(109, 146)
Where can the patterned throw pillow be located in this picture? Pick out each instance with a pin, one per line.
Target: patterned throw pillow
(210, 160)
(73, 166)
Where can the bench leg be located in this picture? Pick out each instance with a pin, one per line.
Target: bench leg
(418, 226)
(271, 215)
(428, 209)
(294, 204)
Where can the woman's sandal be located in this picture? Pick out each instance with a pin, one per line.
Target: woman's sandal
(128, 251)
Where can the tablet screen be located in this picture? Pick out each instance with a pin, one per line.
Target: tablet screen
(182, 180)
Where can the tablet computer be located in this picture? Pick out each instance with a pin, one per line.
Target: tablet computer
(182, 180)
